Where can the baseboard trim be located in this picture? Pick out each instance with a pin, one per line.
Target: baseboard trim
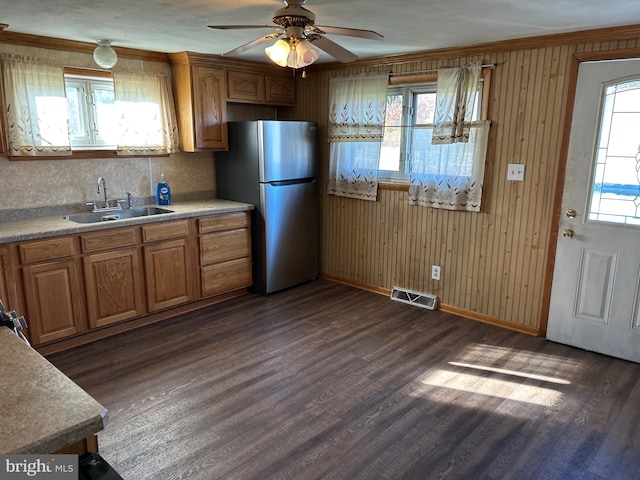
(461, 312)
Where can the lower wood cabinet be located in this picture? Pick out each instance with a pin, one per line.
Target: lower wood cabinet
(53, 292)
(225, 253)
(168, 274)
(168, 265)
(76, 283)
(226, 276)
(113, 276)
(54, 299)
(114, 287)
(6, 279)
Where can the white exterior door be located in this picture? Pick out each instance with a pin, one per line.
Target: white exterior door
(595, 298)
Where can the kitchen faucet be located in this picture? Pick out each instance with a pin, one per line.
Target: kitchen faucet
(103, 184)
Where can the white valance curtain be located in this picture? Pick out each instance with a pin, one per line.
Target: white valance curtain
(146, 115)
(356, 127)
(35, 106)
(37, 113)
(447, 163)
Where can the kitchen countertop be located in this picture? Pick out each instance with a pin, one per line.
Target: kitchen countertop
(43, 410)
(43, 227)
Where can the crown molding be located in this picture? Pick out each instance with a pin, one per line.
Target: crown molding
(608, 34)
(37, 41)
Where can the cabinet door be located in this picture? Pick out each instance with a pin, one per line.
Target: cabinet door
(114, 285)
(53, 294)
(209, 108)
(5, 278)
(168, 273)
(245, 87)
(280, 90)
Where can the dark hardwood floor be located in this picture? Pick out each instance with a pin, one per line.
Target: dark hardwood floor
(328, 382)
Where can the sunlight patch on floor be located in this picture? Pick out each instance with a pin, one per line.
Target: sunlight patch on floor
(505, 371)
(483, 385)
(500, 372)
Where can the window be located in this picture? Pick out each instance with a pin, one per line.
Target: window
(615, 189)
(52, 110)
(408, 129)
(92, 112)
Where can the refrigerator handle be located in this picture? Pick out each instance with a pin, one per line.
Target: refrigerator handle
(284, 183)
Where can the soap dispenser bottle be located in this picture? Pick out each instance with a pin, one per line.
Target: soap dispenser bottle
(163, 191)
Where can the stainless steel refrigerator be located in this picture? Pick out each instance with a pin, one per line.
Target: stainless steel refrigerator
(274, 165)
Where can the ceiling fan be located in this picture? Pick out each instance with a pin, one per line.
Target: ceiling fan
(298, 36)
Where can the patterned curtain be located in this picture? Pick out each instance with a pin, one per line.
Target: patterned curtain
(146, 115)
(35, 107)
(447, 160)
(356, 127)
(455, 98)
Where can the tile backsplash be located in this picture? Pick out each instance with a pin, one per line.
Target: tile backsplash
(45, 183)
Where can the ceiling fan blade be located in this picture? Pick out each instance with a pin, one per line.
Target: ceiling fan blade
(238, 27)
(352, 32)
(251, 44)
(336, 51)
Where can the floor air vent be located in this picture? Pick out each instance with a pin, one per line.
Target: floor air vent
(418, 299)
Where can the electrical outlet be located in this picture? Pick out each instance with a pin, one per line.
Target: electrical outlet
(435, 272)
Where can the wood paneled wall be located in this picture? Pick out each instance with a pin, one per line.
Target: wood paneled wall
(494, 263)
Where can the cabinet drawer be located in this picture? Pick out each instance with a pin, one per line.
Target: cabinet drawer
(165, 231)
(219, 247)
(227, 221)
(225, 277)
(44, 250)
(108, 240)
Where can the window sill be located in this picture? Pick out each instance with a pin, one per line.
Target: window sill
(396, 186)
(81, 154)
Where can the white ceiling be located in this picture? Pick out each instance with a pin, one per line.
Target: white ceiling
(407, 25)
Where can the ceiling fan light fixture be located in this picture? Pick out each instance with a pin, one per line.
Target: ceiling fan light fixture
(104, 55)
(292, 53)
(306, 53)
(279, 52)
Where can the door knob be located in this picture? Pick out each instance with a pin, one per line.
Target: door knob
(568, 233)
(571, 213)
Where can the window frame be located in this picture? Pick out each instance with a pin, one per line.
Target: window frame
(88, 113)
(427, 83)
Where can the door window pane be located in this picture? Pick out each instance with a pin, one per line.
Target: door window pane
(615, 189)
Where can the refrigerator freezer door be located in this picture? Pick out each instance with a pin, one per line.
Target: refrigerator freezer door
(290, 211)
(288, 150)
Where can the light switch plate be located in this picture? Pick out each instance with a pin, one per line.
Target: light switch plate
(515, 172)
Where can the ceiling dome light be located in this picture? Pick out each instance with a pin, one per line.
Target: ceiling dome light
(104, 55)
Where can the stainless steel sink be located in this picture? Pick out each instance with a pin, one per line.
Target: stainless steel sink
(94, 217)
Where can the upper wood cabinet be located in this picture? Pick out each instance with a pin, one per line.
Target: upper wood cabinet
(245, 87)
(280, 90)
(200, 94)
(249, 87)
